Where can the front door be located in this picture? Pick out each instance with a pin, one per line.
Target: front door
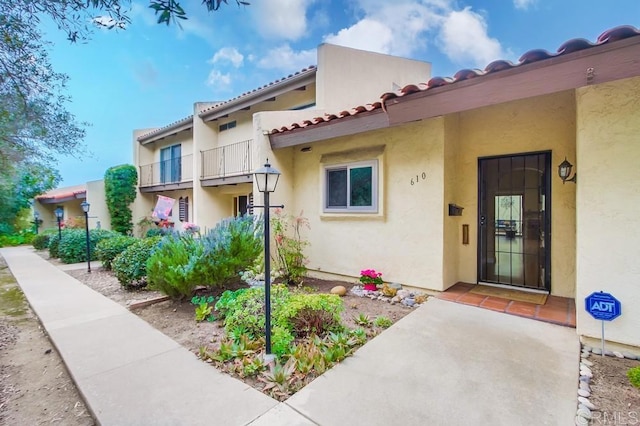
(514, 220)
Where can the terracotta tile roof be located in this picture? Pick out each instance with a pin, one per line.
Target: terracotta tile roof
(77, 191)
(152, 133)
(218, 105)
(573, 45)
(308, 70)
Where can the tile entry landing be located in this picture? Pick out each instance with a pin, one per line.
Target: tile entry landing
(556, 310)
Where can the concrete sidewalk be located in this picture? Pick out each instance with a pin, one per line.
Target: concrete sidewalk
(443, 364)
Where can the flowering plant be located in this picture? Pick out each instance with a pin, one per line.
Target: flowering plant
(190, 228)
(370, 276)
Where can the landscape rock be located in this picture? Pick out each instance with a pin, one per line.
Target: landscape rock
(584, 401)
(584, 393)
(618, 354)
(340, 290)
(585, 413)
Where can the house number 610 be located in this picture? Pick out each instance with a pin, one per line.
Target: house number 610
(417, 179)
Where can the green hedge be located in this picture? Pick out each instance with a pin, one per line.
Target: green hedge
(108, 249)
(73, 246)
(130, 266)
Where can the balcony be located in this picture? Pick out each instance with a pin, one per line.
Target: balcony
(227, 165)
(172, 174)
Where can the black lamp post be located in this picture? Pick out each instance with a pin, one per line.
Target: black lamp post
(85, 208)
(267, 179)
(36, 220)
(59, 213)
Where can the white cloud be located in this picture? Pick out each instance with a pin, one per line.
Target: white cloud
(397, 28)
(229, 54)
(219, 81)
(404, 27)
(281, 19)
(285, 59)
(523, 4)
(366, 34)
(464, 38)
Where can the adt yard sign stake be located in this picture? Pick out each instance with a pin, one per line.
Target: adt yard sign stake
(604, 307)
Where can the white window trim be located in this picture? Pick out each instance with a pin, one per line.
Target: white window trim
(373, 209)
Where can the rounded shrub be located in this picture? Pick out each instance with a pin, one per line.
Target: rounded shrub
(130, 266)
(54, 244)
(108, 249)
(41, 241)
(73, 246)
(174, 267)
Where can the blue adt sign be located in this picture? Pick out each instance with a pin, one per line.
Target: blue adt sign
(603, 306)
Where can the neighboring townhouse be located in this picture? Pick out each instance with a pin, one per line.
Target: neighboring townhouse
(457, 180)
(69, 199)
(205, 161)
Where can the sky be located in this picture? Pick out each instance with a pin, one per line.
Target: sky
(150, 75)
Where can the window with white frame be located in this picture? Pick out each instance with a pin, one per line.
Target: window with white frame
(351, 187)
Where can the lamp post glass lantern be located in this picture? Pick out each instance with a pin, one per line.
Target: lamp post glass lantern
(36, 220)
(85, 208)
(267, 179)
(59, 213)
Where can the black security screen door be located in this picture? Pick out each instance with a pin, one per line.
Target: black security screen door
(514, 220)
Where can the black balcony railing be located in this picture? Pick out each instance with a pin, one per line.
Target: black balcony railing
(228, 160)
(175, 170)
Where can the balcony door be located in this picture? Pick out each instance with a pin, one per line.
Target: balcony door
(171, 164)
(514, 220)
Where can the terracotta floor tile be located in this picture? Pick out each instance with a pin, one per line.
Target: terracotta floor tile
(553, 315)
(459, 288)
(449, 296)
(471, 299)
(522, 309)
(495, 304)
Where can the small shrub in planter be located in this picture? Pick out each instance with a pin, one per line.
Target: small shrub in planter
(108, 249)
(306, 314)
(173, 268)
(634, 376)
(245, 310)
(130, 266)
(41, 241)
(54, 244)
(73, 246)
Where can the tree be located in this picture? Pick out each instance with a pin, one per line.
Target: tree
(34, 122)
(120, 190)
(19, 187)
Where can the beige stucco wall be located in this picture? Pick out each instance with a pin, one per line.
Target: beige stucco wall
(349, 77)
(404, 240)
(545, 123)
(452, 225)
(608, 201)
(98, 210)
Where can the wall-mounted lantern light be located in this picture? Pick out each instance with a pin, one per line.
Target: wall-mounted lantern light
(564, 171)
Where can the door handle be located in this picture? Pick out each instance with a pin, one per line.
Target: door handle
(482, 220)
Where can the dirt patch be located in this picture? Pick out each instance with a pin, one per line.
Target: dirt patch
(617, 401)
(35, 387)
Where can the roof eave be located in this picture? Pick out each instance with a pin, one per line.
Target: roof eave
(363, 122)
(599, 64)
(180, 126)
(260, 95)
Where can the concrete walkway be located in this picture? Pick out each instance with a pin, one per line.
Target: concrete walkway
(444, 364)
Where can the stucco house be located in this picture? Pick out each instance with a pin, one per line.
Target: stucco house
(205, 161)
(68, 199)
(457, 179)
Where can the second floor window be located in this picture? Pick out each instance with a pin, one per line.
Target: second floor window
(170, 164)
(227, 126)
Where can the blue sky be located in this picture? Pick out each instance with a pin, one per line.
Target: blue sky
(150, 75)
